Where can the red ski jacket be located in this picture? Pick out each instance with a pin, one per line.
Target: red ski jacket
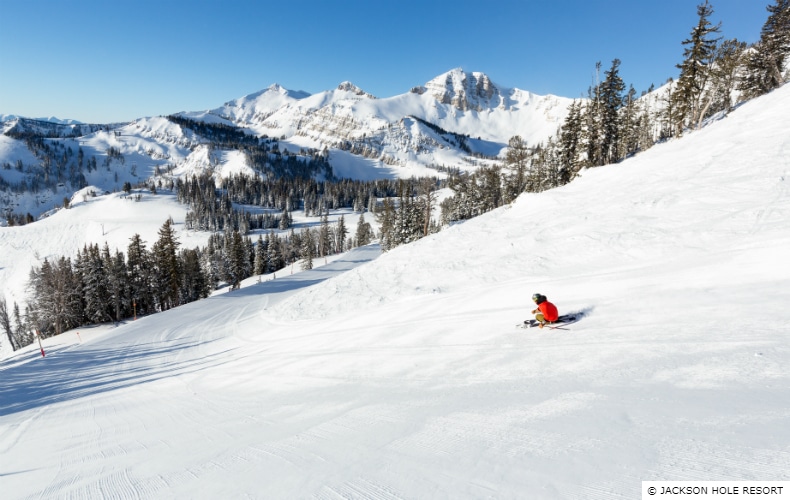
(549, 311)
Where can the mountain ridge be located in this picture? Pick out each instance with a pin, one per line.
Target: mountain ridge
(364, 136)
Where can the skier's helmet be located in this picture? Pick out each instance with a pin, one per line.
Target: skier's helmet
(536, 297)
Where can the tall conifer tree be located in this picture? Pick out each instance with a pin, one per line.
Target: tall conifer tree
(768, 58)
(695, 70)
(166, 266)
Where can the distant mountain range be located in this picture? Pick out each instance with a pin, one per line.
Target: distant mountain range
(458, 120)
(51, 119)
(420, 126)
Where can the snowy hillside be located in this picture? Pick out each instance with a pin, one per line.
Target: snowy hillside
(110, 219)
(403, 376)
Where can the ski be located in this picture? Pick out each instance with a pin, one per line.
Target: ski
(560, 324)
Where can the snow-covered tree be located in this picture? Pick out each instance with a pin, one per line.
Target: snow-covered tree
(364, 234)
(94, 285)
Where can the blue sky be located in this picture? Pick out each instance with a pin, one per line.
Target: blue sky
(105, 61)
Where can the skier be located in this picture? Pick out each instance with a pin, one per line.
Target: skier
(546, 311)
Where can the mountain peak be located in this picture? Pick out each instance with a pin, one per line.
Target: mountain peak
(464, 90)
(350, 87)
(276, 88)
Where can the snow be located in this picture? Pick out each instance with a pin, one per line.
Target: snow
(402, 376)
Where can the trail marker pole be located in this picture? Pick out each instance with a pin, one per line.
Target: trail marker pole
(38, 336)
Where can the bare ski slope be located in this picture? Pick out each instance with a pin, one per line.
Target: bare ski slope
(404, 377)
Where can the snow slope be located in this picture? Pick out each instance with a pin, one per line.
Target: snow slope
(403, 377)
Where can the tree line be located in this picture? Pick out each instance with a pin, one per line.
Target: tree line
(99, 285)
(230, 206)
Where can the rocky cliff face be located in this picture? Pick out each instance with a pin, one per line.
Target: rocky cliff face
(465, 91)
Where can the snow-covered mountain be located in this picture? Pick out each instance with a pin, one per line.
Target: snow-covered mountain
(50, 119)
(402, 376)
(457, 102)
(458, 120)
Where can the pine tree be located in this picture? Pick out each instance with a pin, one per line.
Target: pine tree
(427, 187)
(167, 272)
(249, 254)
(695, 70)
(56, 301)
(273, 253)
(138, 266)
(490, 193)
(610, 102)
(94, 285)
(516, 164)
(727, 63)
(259, 266)
(5, 324)
(647, 134)
(537, 171)
(117, 282)
(387, 225)
(307, 249)
(340, 233)
(630, 121)
(237, 258)
(553, 165)
(669, 116)
(195, 283)
(593, 128)
(475, 193)
(570, 143)
(292, 247)
(364, 233)
(324, 237)
(23, 335)
(409, 216)
(767, 58)
(285, 220)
